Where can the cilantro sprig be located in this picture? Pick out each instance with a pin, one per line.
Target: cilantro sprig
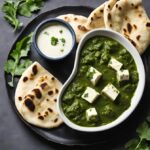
(17, 62)
(13, 8)
(141, 142)
(10, 9)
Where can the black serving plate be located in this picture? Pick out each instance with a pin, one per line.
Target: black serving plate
(62, 70)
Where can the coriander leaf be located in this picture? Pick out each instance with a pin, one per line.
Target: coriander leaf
(61, 31)
(132, 144)
(144, 131)
(10, 9)
(28, 6)
(9, 66)
(35, 5)
(24, 10)
(148, 119)
(136, 144)
(142, 146)
(22, 67)
(54, 41)
(63, 40)
(16, 65)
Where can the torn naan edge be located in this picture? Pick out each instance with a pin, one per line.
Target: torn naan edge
(130, 19)
(96, 18)
(77, 22)
(36, 97)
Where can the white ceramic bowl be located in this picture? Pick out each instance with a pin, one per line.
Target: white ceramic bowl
(138, 93)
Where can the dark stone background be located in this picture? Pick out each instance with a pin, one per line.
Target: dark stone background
(14, 135)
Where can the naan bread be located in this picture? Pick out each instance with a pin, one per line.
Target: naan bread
(36, 96)
(96, 18)
(78, 24)
(130, 19)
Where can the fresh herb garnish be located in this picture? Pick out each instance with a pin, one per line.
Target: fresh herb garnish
(62, 50)
(17, 63)
(90, 74)
(61, 31)
(63, 41)
(20, 7)
(54, 41)
(86, 95)
(27, 7)
(46, 33)
(10, 9)
(143, 138)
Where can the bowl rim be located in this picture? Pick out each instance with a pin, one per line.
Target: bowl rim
(48, 21)
(137, 95)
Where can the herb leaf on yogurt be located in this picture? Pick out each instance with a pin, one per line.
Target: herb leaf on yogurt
(61, 31)
(62, 50)
(46, 33)
(54, 41)
(63, 41)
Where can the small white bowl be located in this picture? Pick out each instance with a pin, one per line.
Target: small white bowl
(137, 95)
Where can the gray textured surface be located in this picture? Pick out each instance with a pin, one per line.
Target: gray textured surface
(14, 135)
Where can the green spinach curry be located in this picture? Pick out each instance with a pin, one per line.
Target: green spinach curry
(97, 52)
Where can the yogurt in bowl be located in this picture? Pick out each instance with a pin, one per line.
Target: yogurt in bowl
(54, 39)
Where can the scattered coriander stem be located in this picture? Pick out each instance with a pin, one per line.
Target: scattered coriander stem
(139, 144)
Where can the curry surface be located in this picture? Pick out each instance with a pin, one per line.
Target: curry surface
(97, 52)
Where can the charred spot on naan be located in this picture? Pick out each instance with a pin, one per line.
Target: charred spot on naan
(138, 37)
(44, 86)
(125, 30)
(38, 93)
(25, 79)
(129, 27)
(29, 104)
(135, 26)
(148, 24)
(29, 96)
(50, 92)
(52, 78)
(101, 10)
(34, 69)
(55, 120)
(109, 16)
(41, 117)
(46, 113)
(82, 28)
(20, 98)
(50, 110)
(134, 43)
(56, 91)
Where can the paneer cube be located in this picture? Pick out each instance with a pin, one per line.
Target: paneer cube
(96, 75)
(115, 64)
(111, 92)
(90, 95)
(90, 113)
(122, 75)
